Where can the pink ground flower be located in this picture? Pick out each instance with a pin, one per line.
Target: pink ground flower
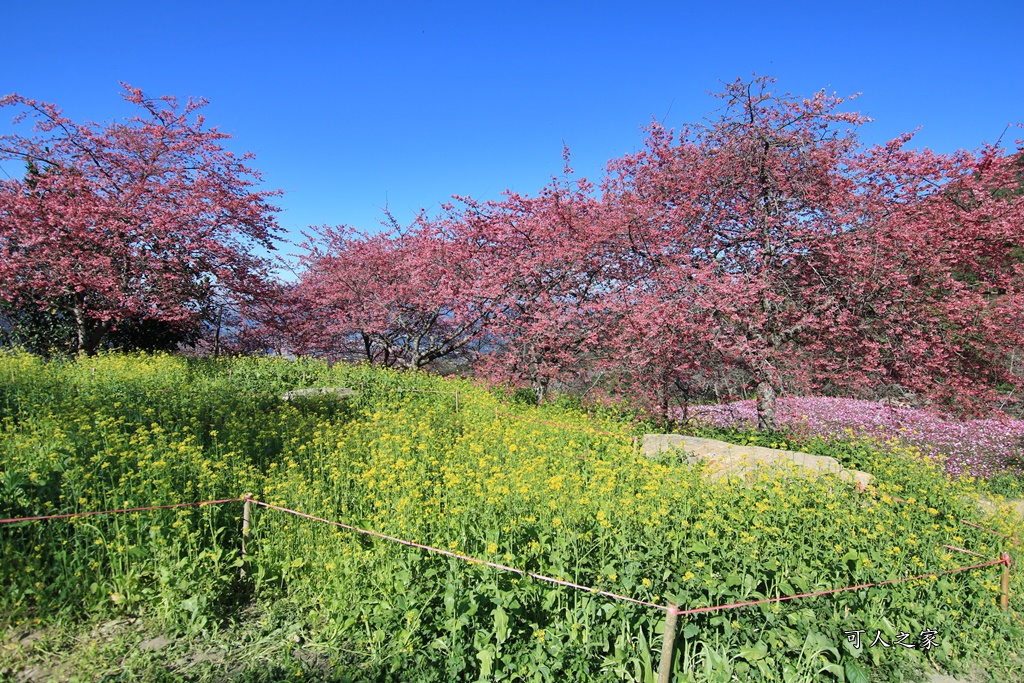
(980, 448)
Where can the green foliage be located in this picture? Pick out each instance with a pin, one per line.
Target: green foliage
(51, 331)
(575, 503)
(523, 397)
(1005, 484)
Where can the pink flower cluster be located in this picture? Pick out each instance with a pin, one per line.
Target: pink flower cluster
(980, 448)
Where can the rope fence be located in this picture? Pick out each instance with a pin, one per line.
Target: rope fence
(247, 500)
(465, 558)
(978, 526)
(70, 515)
(961, 550)
(672, 611)
(1004, 560)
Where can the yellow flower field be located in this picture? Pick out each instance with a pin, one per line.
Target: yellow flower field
(580, 505)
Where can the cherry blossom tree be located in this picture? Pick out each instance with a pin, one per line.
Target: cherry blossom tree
(517, 282)
(937, 282)
(552, 259)
(138, 222)
(729, 219)
(776, 244)
(767, 247)
(398, 298)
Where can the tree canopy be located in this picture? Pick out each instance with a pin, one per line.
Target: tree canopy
(140, 223)
(767, 249)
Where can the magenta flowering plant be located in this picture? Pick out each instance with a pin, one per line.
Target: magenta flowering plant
(980, 448)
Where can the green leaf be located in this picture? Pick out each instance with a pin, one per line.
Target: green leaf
(856, 672)
(833, 669)
(486, 657)
(500, 624)
(752, 654)
(191, 604)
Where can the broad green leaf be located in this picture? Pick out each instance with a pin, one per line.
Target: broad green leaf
(500, 624)
(486, 657)
(856, 672)
(752, 654)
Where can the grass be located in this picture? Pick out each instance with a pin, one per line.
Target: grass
(89, 597)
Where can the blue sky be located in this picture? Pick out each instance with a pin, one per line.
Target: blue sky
(353, 106)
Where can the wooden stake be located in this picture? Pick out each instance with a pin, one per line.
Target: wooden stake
(1004, 584)
(636, 445)
(245, 529)
(667, 643)
(456, 401)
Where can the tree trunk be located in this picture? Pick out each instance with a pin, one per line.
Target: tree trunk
(216, 336)
(415, 358)
(766, 406)
(89, 337)
(540, 388)
(80, 323)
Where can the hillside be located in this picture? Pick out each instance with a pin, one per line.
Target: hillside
(550, 493)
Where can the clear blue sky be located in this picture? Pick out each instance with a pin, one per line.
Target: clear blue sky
(349, 106)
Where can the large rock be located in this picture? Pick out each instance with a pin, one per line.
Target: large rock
(340, 392)
(729, 460)
(1016, 506)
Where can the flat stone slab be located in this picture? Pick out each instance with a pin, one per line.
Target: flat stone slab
(989, 506)
(341, 392)
(729, 460)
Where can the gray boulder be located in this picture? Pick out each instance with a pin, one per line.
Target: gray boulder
(340, 392)
(729, 460)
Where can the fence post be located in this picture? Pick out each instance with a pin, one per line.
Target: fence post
(1004, 583)
(667, 644)
(245, 529)
(636, 445)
